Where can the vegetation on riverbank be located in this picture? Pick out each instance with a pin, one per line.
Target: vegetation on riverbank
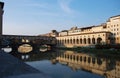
(100, 52)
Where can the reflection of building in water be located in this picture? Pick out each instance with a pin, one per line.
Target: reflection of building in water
(89, 63)
(83, 61)
(115, 73)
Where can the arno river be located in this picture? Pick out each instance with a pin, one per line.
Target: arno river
(70, 64)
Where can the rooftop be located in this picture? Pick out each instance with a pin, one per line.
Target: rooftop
(115, 16)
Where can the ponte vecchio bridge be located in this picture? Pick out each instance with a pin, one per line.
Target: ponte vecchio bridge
(14, 41)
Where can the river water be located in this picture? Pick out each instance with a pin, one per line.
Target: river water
(71, 64)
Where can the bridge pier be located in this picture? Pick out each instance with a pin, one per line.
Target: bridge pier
(14, 48)
(35, 47)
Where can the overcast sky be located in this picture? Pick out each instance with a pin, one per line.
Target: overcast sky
(33, 17)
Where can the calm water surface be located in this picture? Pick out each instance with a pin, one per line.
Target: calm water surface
(69, 64)
(61, 71)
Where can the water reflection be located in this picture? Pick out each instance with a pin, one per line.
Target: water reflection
(7, 49)
(109, 68)
(25, 48)
(24, 57)
(103, 66)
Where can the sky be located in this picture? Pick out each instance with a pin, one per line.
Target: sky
(34, 17)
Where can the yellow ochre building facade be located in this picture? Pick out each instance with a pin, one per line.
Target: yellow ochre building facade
(106, 33)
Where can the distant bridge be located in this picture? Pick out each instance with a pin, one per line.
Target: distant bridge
(15, 41)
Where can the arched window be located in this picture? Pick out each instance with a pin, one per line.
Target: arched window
(68, 41)
(77, 58)
(77, 41)
(80, 41)
(89, 41)
(84, 59)
(99, 40)
(84, 40)
(89, 60)
(93, 60)
(65, 41)
(99, 62)
(73, 57)
(80, 58)
(93, 40)
(73, 41)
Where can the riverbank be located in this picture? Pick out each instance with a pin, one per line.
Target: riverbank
(11, 67)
